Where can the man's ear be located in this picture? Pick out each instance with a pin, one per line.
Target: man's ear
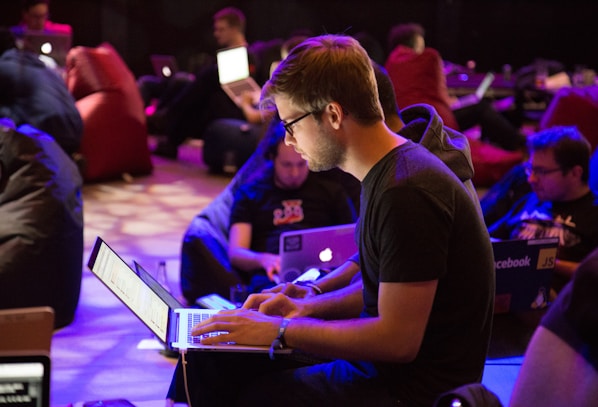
(335, 114)
(577, 171)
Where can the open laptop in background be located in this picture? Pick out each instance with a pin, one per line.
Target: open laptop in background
(473, 98)
(326, 247)
(165, 66)
(234, 75)
(26, 329)
(25, 344)
(53, 45)
(24, 378)
(523, 273)
(155, 307)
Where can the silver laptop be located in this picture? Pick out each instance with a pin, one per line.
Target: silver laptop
(524, 271)
(165, 66)
(25, 379)
(478, 95)
(53, 45)
(153, 305)
(234, 75)
(320, 248)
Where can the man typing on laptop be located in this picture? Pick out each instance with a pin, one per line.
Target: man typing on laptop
(560, 204)
(421, 324)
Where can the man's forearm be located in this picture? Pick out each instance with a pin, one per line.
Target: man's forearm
(338, 278)
(340, 304)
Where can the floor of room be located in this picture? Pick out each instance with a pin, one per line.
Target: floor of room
(106, 353)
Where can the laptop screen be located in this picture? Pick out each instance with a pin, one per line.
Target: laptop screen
(325, 247)
(54, 45)
(25, 380)
(233, 64)
(116, 274)
(523, 273)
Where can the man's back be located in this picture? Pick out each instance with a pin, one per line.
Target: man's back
(438, 238)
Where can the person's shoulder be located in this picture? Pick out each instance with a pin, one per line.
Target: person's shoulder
(255, 185)
(58, 28)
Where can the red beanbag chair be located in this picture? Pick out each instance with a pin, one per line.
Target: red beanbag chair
(115, 133)
(490, 163)
(574, 107)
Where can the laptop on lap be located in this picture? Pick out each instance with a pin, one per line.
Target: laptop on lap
(524, 271)
(320, 248)
(478, 95)
(234, 75)
(164, 66)
(155, 307)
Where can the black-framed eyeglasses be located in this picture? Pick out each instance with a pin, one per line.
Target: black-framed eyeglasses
(288, 127)
(538, 171)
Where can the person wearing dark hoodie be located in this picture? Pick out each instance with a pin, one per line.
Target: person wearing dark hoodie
(421, 323)
(35, 95)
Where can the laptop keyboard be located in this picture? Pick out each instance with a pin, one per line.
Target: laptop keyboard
(240, 87)
(194, 319)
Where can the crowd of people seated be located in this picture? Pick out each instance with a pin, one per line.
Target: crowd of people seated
(549, 195)
(557, 200)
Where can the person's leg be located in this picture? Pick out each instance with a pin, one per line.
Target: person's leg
(150, 87)
(244, 379)
(496, 129)
(217, 378)
(338, 383)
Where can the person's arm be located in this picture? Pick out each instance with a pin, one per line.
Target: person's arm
(393, 336)
(565, 268)
(251, 113)
(344, 303)
(243, 258)
(554, 374)
(338, 278)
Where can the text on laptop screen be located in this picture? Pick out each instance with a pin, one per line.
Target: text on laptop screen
(136, 295)
(25, 380)
(233, 64)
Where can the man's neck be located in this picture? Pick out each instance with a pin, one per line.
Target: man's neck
(238, 41)
(366, 146)
(576, 193)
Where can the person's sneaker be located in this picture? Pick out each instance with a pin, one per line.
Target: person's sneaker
(166, 150)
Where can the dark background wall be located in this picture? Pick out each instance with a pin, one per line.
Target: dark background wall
(491, 32)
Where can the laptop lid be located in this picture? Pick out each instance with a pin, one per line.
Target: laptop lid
(155, 307)
(26, 329)
(24, 379)
(484, 85)
(53, 45)
(474, 98)
(233, 73)
(321, 248)
(164, 65)
(135, 293)
(523, 273)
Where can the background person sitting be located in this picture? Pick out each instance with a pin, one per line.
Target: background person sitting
(202, 100)
(417, 75)
(33, 94)
(35, 16)
(560, 204)
(284, 196)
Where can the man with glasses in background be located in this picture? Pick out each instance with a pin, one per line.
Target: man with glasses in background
(560, 204)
